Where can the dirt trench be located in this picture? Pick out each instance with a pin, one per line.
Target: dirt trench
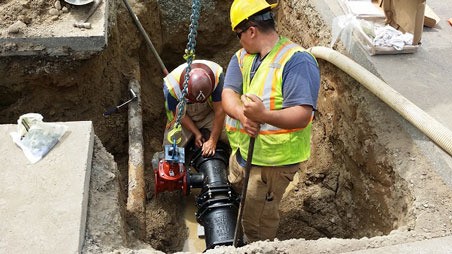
(349, 188)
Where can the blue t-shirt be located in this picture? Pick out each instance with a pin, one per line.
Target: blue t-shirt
(172, 102)
(301, 80)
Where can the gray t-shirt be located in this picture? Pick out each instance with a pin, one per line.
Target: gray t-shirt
(301, 79)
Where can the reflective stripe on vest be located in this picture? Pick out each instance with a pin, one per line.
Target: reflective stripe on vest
(274, 146)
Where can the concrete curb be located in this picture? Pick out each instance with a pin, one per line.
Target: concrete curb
(43, 206)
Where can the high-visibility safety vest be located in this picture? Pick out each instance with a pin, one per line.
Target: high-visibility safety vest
(171, 81)
(273, 146)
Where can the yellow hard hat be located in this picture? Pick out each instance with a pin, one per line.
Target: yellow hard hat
(243, 9)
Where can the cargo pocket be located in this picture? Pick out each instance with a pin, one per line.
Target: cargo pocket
(236, 172)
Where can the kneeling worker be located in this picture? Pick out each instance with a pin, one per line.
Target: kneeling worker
(203, 108)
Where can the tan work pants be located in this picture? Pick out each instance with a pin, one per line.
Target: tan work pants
(266, 187)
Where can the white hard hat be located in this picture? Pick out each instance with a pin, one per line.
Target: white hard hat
(78, 2)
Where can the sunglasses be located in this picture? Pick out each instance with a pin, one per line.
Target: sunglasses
(239, 34)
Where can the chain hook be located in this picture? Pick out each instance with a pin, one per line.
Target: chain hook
(175, 135)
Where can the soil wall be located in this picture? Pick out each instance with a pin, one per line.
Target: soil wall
(364, 174)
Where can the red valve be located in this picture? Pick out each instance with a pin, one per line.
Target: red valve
(170, 177)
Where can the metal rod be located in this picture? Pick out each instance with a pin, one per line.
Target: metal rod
(238, 226)
(92, 10)
(146, 37)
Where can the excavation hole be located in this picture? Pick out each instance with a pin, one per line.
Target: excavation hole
(348, 189)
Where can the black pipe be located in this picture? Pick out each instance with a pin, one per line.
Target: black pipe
(217, 203)
(195, 180)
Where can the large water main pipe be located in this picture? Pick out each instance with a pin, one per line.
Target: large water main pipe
(218, 202)
(437, 132)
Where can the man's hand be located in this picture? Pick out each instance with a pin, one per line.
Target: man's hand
(286, 118)
(233, 105)
(251, 128)
(208, 148)
(253, 108)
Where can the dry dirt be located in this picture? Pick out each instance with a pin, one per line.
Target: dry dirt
(366, 185)
(29, 12)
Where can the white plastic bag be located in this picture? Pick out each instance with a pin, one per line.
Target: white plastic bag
(35, 137)
(342, 29)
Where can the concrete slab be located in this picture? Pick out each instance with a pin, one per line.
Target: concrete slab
(59, 37)
(43, 206)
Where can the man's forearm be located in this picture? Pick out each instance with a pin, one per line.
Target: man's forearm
(232, 105)
(289, 118)
(218, 122)
(187, 123)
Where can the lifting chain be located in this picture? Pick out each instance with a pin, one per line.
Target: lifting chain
(189, 57)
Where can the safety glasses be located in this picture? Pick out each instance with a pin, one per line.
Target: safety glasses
(239, 34)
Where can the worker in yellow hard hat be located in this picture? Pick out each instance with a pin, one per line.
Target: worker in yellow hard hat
(270, 93)
(203, 108)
